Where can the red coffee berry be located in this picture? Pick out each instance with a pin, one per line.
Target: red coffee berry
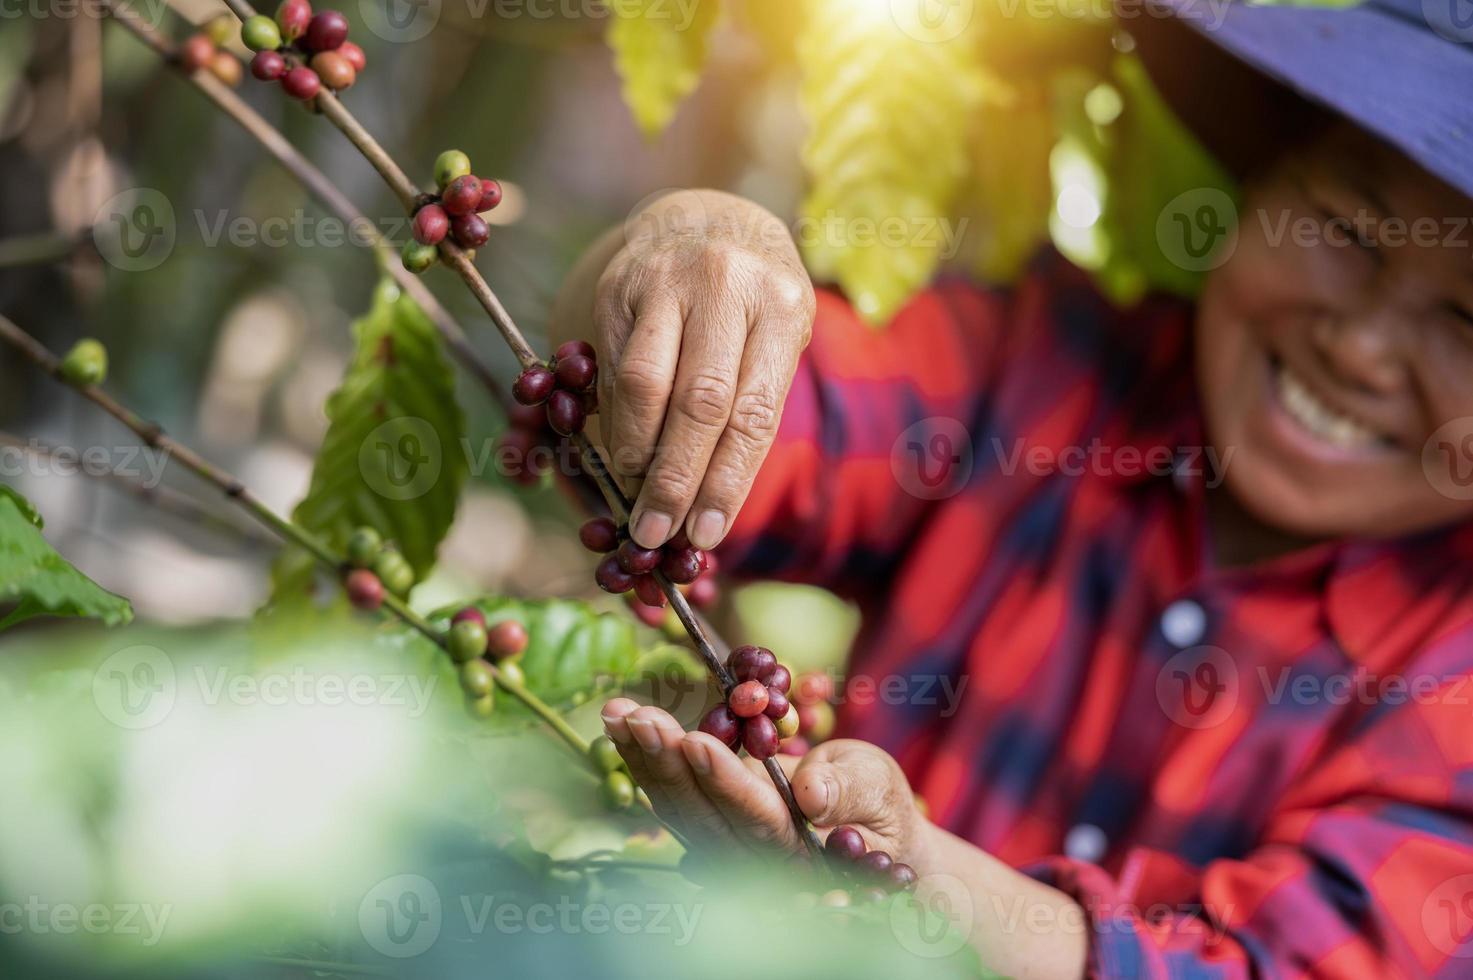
(569, 348)
(703, 593)
(431, 225)
(876, 865)
(636, 560)
(577, 372)
(334, 70)
(292, 17)
(748, 699)
(470, 230)
(751, 663)
(903, 877)
(780, 679)
(301, 83)
(651, 616)
(354, 55)
(469, 614)
(365, 591)
(611, 578)
(268, 66)
(534, 385)
(516, 453)
(326, 31)
(490, 195)
(722, 725)
(197, 52)
(813, 688)
(529, 417)
(683, 566)
(845, 843)
(565, 413)
(463, 195)
(226, 67)
(600, 535)
(795, 745)
(816, 720)
(759, 738)
(506, 639)
(649, 591)
(777, 703)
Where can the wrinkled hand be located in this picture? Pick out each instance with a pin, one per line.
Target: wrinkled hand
(718, 799)
(699, 322)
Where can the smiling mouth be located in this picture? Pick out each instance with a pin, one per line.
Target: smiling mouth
(1317, 418)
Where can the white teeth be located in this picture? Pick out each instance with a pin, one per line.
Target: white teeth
(1319, 418)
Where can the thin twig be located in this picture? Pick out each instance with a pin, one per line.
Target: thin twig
(47, 247)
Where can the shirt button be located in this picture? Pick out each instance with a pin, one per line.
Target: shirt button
(1086, 842)
(1184, 623)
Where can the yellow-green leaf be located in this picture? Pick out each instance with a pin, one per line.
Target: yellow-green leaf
(36, 581)
(659, 49)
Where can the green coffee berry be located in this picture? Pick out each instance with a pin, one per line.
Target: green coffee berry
(475, 678)
(417, 258)
(450, 165)
(617, 791)
(467, 641)
(364, 546)
(603, 753)
(260, 33)
(395, 572)
(85, 363)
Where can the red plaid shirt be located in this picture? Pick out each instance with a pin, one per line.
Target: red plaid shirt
(1236, 772)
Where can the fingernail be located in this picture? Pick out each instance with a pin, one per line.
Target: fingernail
(697, 756)
(708, 530)
(652, 528)
(616, 729)
(645, 734)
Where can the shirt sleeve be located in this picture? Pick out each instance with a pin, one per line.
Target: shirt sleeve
(870, 438)
(1366, 870)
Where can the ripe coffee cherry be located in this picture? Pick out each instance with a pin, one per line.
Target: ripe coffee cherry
(636, 560)
(813, 688)
(649, 591)
(533, 385)
(565, 413)
(364, 589)
(787, 726)
(721, 724)
(301, 83)
(748, 699)
(527, 417)
(431, 224)
(611, 578)
(292, 17)
(506, 639)
(475, 678)
(683, 566)
(326, 31)
(796, 746)
(903, 877)
(467, 641)
(226, 67)
(511, 672)
(569, 348)
(651, 616)
(85, 363)
(777, 703)
(268, 66)
(470, 230)
(395, 572)
(197, 52)
(816, 720)
(450, 165)
(618, 791)
(462, 195)
(364, 546)
(599, 535)
(876, 865)
(334, 70)
(577, 372)
(751, 663)
(417, 258)
(845, 843)
(260, 33)
(703, 593)
(470, 614)
(354, 55)
(780, 678)
(490, 195)
(759, 738)
(605, 754)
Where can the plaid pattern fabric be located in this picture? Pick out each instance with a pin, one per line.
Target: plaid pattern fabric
(1261, 771)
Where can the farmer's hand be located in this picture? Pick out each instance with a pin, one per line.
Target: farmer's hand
(699, 307)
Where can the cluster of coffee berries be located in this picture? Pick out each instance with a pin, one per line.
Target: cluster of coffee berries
(629, 568)
(564, 385)
(527, 432)
(703, 593)
(297, 35)
(85, 364)
(757, 714)
(455, 211)
(475, 646)
(617, 789)
(374, 569)
(873, 874)
(206, 50)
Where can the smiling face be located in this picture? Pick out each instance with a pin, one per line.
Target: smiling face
(1338, 338)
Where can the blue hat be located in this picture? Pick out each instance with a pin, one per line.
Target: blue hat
(1402, 69)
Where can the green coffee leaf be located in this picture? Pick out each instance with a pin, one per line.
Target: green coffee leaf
(40, 582)
(659, 49)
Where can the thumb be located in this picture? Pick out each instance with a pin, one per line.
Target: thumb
(849, 781)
